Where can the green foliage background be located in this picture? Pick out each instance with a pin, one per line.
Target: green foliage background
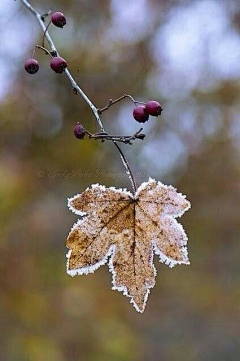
(193, 312)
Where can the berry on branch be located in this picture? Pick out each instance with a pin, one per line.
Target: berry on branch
(58, 64)
(154, 108)
(31, 66)
(58, 19)
(140, 114)
(79, 131)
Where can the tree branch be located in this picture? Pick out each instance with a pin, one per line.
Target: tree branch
(76, 88)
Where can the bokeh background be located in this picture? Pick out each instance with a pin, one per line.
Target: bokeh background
(185, 54)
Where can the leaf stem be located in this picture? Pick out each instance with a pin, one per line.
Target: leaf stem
(127, 166)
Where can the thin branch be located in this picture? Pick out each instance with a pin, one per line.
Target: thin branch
(112, 102)
(76, 88)
(118, 138)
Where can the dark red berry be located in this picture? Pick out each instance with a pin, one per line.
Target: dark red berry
(140, 114)
(154, 108)
(79, 131)
(58, 64)
(31, 66)
(58, 19)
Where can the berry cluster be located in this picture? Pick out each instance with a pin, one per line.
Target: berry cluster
(141, 112)
(57, 63)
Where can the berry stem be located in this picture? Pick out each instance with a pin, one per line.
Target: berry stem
(45, 32)
(44, 49)
(76, 89)
(112, 102)
(34, 51)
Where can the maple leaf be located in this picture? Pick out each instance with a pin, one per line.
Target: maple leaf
(127, 230)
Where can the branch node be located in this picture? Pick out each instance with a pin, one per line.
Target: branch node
(45, 15)
(53, 53)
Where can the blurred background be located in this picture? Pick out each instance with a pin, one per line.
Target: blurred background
(186, 54)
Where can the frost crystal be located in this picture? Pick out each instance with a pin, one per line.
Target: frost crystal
(127, 230)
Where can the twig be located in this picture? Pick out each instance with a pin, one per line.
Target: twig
(76, 88)
(112, 102)
(118, 138)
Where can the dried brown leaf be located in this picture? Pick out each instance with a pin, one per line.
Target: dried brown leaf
(127, 230)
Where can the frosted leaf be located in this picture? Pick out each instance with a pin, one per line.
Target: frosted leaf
(127, 230)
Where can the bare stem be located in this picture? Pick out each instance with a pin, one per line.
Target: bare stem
(76, 88)
(118, 138)
(112, 102)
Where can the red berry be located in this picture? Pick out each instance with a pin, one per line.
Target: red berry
(58, 64)
(79, 131)
(140, 114)
(154, 108)
(58, 19)
(31, 66)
